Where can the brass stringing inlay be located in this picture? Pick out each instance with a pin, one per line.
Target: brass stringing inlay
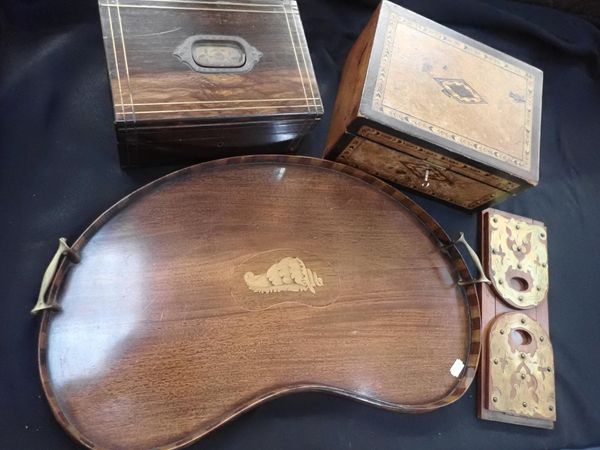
(521, 374)
(126, 109)
(288, 275)
(518, 261)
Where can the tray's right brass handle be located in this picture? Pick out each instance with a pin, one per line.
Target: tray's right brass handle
(481, 278)
(63, 250)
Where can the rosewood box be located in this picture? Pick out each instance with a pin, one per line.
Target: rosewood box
(200, 79)
(435, 111)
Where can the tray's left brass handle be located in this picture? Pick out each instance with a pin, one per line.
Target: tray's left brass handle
(63, 250)
(481, 278)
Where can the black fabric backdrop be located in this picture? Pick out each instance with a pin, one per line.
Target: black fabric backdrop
(59, 171)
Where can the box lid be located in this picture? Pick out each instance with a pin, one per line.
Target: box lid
(201, 60)
(443, 88)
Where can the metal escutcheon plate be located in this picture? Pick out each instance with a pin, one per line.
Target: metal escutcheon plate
(218, 54)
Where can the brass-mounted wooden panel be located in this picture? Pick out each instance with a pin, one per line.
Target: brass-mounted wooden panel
(517, 260)
(520, 368)
(516, 378)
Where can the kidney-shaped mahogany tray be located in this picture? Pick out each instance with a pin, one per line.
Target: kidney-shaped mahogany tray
(228, 283)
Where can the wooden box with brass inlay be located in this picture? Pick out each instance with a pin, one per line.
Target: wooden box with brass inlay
(201, 79)
(437, 112)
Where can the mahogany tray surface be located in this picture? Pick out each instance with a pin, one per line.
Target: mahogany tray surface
(160, 338)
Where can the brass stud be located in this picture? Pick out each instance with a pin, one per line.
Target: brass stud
(519, 249)
(544, 264)
(522, 355)
(495, 360)
(541, 338)
(523, 321)
(495, 219)
(518, 227)
(525, 404)
(539, 288)
(494, 399)
(522, 376)
(501, 331)
(521, 299)
(551, 408)
(549, 369)
(542, 235)
(500, 281)
(519, 266)
(493, 251)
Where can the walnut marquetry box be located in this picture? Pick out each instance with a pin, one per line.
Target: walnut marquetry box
(432, 110)
(195, 80)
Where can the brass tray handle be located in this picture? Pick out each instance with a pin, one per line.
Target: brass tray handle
(63, 250)
(481, 278)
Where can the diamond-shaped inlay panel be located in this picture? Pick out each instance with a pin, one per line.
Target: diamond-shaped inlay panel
(459, 90)
(422, 170)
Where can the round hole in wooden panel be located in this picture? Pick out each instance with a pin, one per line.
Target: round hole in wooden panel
(519, 284)
(520, 337)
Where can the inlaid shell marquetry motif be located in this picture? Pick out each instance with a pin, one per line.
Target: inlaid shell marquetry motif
(284, 278)
(518, 260)
(288, 275)
(521, 368)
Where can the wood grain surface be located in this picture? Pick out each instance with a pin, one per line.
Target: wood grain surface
(406, 170)
(351, 86)
(150, 83)
(165, 111)
(161, 338)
